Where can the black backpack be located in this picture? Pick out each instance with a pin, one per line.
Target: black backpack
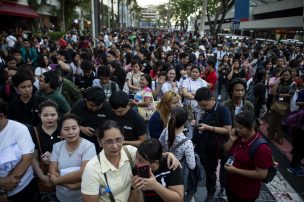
(272, 171)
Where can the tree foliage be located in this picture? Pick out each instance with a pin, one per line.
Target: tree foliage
(182, 9)
(218, 9)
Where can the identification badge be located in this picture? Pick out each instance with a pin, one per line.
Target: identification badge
(230, 160)
(281, 98)
(103, 191)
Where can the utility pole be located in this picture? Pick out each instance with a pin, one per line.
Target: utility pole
(203, 19)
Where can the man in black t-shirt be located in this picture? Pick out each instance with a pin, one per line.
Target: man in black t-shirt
(93, 112)
(132, 123)
(163, 184)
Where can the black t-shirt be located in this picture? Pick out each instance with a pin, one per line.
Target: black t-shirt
(83, 81)
(26, 113)
(259, 91)
(166, 178)
(132, 123)
(46, 141)
(90, 118)
(241, 74)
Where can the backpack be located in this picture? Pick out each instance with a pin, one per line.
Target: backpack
(192, 178)
(272, 171)
(249, 95)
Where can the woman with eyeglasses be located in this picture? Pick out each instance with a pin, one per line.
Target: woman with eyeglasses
(107, 177)
(68, 160)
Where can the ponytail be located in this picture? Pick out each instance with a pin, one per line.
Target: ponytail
(171, 130)
(178, 118)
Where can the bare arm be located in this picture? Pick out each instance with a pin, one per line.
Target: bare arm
(37, 168)
(225, 130)
(187, 94)
(229, 76)
(146, 102)
(90, 198)
(70, 178)
(22, 167)
(65, 67)
(132, 87)
(172, 193)
(136, 143)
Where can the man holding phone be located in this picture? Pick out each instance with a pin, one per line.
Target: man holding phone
(209, 136)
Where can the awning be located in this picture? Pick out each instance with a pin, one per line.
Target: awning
(11, 8)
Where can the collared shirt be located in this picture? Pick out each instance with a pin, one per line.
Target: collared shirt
(119, 179)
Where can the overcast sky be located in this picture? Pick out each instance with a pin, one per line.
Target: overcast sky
(150, 2)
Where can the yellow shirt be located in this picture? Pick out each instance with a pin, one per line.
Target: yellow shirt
(94, 183)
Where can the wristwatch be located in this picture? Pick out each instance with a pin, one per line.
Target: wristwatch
(2, 192)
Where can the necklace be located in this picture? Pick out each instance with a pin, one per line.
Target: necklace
(50, 132)
(70, 153)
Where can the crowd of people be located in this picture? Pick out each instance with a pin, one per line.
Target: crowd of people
(110, 119)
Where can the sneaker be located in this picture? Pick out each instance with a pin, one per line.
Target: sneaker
(297, 171)
(219, 97)
(223, 194)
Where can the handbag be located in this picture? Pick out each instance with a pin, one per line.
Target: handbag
(280, 107)
(146, 112)
(43, 187)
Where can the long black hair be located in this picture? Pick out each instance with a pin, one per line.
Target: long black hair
(178, 118)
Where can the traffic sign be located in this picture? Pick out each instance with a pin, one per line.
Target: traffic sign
(235, 24)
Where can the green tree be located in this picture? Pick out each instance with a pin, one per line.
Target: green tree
(218, 9)
(182, 9)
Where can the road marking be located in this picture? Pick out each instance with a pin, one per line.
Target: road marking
(281, 189)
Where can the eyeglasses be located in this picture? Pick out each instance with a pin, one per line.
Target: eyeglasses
(118, 140)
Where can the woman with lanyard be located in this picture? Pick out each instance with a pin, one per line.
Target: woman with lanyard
(245, 175)
(68, 160)
(133, 79)
(107, 177)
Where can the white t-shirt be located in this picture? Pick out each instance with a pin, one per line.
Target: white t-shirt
(192, 86)
(167, 86)
(38, 72)
(10, 40)
(15, 141)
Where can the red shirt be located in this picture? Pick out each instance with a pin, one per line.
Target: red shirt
(243, 187)
(211, 78)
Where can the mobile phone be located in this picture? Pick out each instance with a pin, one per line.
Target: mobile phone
(230, 161)
(236, 133)
(143, 171)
